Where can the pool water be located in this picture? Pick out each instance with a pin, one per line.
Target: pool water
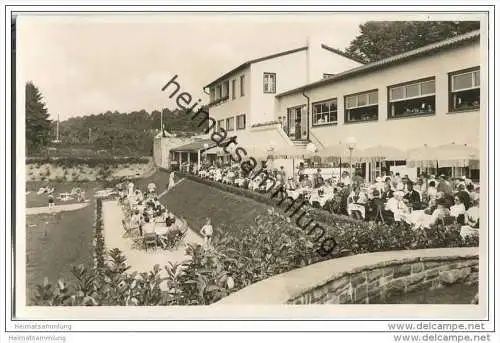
(454, 294)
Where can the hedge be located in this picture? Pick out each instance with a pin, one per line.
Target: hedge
(91, 161)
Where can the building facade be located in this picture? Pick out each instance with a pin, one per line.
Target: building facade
(244, 99)
(427, 96)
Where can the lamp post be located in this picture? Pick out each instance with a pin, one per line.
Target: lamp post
(351, 144)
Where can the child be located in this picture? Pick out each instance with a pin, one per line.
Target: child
(207, 232)
(51, 200)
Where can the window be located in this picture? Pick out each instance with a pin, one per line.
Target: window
(361, 107)
(412, 99)
(220, 124)
(324, 112)
(225, 90)
(218, 92)
(233, 89)
(230, 124)
(242, 85)
(464, 90)
(269, 83)
(241, 122)
(212, 94)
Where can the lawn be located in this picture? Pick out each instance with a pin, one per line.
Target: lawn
(54, 243)
(195, 202)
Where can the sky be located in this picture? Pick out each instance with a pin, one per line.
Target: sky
(91, 63)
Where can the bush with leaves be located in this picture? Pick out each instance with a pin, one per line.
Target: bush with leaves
(273, 245)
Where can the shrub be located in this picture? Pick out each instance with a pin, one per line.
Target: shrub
(272, 246)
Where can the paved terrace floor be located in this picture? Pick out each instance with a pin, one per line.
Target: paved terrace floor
(138, 259)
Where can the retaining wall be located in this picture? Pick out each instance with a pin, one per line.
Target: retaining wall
(365, 278)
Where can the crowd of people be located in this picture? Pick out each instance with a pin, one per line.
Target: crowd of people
(422, 202)
(146, 217)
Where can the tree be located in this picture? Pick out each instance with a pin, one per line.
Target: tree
(382, 39)
(37, 122)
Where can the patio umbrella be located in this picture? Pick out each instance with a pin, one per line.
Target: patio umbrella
(292, 151)
(384, 152)
(423, 157)
(455, 155)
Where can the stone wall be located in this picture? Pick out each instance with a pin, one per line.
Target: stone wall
(373, 284)
(364, 279)
(51, 172)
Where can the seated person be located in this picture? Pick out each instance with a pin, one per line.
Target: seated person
(169, 219)
(442, 211)
(306, 182)
(397, 206)
(318, 179)
(387, 193)
(457, 209)
(151, 187)
(412, 196)
(464, 195)
(291, 184)
(356, 201)
(147, 226)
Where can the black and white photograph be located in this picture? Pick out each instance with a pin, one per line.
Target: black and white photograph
(323, 164)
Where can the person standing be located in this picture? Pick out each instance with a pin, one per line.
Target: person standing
(171, 180)
(207, 232)
(51, 200)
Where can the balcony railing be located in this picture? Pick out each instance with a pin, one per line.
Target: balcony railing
(218, 101)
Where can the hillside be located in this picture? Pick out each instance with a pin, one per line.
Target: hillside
(121, 134)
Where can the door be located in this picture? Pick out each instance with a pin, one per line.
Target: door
(297, 123)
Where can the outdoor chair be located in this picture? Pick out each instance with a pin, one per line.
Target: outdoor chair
(126, 227)
(150, 240)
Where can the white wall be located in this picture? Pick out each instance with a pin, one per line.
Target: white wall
(405, 133)
(291, 72)
(324, 61)
(234, 107)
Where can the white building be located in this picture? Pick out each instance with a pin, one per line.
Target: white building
(243, 99)
(315, 94)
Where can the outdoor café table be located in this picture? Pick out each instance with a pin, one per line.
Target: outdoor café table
(419, 219)
(161, 230)
(298, 192)
(321, 199)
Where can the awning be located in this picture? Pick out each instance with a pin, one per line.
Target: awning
(448, 155)
(195, 146)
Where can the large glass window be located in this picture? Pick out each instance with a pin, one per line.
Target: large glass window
(241, 122)
(230, 124)
(361, 107)
(412, 99)
(269, 83)
(464, 90)
(324, 112)
(233, 89)
(220, 124)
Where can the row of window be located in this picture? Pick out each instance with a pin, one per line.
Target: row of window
(228, 123)
(221, 91)
(404, 100)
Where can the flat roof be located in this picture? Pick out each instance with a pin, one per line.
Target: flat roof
(390, 61)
